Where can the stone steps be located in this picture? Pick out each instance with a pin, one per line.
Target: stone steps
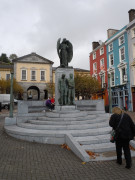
(87, 140)
(65, 122)
(62, 115)
(99, 148)
(38, 126)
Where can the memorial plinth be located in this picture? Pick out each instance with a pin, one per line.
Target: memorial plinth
(58, 74)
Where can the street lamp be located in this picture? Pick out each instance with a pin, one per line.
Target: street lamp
(110, 94)
(11, 96)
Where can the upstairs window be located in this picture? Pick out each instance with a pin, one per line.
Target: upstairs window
(42, 75)
(101, 50)
(7, 76)
(102, 64)
(133, 32)
(124, 76)
(95, 68)
(24, 74)
(102, 77)
(94, 55)
(121, 40)
(110, 47)
(111, 60)
(122, 53)
(33, 75)
(112, 78)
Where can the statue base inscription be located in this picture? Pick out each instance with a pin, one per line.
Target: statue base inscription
(64, 90)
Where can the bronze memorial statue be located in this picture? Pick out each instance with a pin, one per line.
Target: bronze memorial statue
(65, 52)
(63, 89)
(71, 87)
(66, 89)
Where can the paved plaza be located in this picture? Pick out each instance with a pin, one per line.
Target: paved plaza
(21, 160)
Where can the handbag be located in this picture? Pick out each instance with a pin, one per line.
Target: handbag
(114, 133)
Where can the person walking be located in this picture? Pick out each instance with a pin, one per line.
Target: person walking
(126, 132)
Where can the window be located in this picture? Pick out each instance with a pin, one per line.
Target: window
(102, 64)
(42, 75)
(24, 74)
(112, 79)
(123, 74)
(133, 51)
(33, 75)
(101, 51)
(95, 68)
(110, 47)
(7, 76)
(122, 53)
(121, 40)
(133, 32)
(102, 80)
(111, 59)
(94, 55)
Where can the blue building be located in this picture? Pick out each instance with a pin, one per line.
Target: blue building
(118, 68)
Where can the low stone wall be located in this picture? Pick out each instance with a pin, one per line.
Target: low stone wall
(99, 104)
(23, 106)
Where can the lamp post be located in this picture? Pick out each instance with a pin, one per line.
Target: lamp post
(110, 95)
(11, 96)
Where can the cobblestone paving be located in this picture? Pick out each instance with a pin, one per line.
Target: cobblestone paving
(21, 160)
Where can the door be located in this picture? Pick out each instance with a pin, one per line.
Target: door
(133, 96)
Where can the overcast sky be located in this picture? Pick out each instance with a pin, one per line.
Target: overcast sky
(35, 26)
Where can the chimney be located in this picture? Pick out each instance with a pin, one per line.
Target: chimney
(111, 32)
(131, 14)
(95, 45)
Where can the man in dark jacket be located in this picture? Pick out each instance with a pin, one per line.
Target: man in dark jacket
(125, 134)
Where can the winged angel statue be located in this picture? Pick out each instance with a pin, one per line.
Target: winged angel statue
(65, 52)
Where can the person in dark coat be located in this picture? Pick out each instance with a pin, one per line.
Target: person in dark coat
(125, 134)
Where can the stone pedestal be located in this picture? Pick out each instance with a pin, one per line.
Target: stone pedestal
(58, 74)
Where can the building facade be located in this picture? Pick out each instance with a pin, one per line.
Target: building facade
(118, 69)
(98, 69)
(131, 50)
(33, 73)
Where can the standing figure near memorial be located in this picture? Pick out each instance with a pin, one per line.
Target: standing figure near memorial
(63, 89)
(71, 87)
(65, 52)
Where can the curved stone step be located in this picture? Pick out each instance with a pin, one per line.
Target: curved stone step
(69, 124)
(56, 115)
(66, 122)
(98, 148)
(93, 139)
(75, 132)
(93, 118)
(39, 125)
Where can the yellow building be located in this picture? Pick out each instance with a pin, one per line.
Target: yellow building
(5, 70)
(33, 73)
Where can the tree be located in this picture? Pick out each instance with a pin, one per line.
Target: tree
(85, 86)
(51, 88)
(12, 56)
(5, 87)
(4, 58)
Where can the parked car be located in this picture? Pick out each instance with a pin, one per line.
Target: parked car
(5, 105)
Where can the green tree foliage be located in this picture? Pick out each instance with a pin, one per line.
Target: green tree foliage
(4, 58)
(12, 56)
(85, 86)
(5, 87)
(51, 88)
